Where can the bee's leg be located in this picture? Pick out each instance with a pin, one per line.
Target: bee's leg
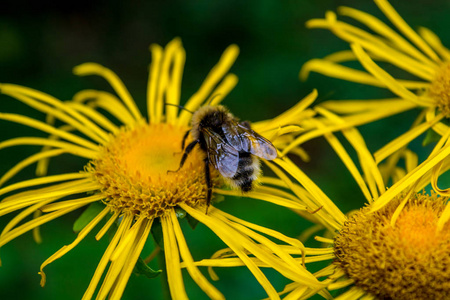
(208, 184)
(183, 142)
(184, 139)
(185, 155)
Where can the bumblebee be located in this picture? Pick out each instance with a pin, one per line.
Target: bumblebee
(230, 146)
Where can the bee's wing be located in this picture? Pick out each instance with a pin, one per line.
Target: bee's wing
(245, 139)
(224, 157)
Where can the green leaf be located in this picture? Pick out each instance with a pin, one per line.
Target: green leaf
(88, 215)
(141, 268)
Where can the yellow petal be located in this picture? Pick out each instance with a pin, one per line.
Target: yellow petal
(108, 102)
(42, 180)
(215, 75)
(433, 40)
(404, 139)
(404, 28)
(174, 88)
(81, 235)
(49, 129)
(384, 77)
(410, 178)
(69, 147)
(172, 258)
(196, 275)
(115, 82)
(153, 76)
(123, 226)
(132, 257)
(236, 242)
(384, 30)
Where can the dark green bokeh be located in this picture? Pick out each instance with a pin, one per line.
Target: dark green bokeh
(40, 42)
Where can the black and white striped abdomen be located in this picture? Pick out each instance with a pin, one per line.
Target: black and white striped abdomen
(248, 170)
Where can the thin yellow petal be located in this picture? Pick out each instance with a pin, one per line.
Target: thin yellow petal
(289, 117)
(378, 47)
(350, 121)
(270, 232)
(215, 75)
(384, 77)
(172, 256)
(28, 161)
(340, 284)
(235, 242)
(107, 226)
(384, 30)
(115, 82)
(404, 28)
(350, 165)
(338, 218)
(127, 240)
(69, 203)
(71, 148)
(223, 89)
(410, 178)
(81, 235)
(404, 139)
(433, 40)
(124, 225)
(195, 273)
(106, 101)
(153, 77)
(331, 69)
(95, 116)
(49, 129)
(10, 235)
(353, 293)
(117, 264)
(359, 106)
(25, 213)
(29, 198)
(132, 258)
(164, 79)
(42, 180)
(265, 197)
(61, 111)
(174, 88)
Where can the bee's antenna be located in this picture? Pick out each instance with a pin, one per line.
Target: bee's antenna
(179, 106)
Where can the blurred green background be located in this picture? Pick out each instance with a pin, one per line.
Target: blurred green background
(40, 42)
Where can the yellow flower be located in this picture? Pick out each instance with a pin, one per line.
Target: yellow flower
(421, 55)
(126, 171)
(397, 247)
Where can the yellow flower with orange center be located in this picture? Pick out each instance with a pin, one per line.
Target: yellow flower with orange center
(126, 175)
(420, 54)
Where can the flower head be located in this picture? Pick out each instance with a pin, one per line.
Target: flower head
(420, 54)
(407, 261)
(378, 251)
(127, 173)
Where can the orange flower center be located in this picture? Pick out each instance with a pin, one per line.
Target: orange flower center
(440, 89)
(410, 260)
(133, 171)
